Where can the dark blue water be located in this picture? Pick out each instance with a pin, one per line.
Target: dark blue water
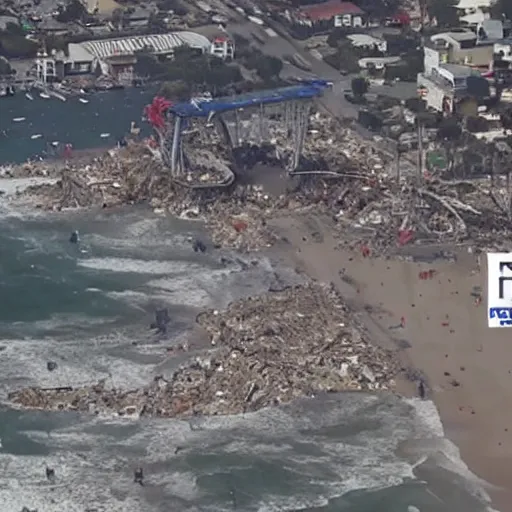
(68, 122)
(88, 308)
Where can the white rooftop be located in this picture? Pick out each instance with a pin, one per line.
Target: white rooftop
(77, 53)
(363, 39)
(160, 44)
(473, 4)
(473, 18)
(455, 36)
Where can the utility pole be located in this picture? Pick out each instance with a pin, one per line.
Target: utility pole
(420, 152)
(398, 163)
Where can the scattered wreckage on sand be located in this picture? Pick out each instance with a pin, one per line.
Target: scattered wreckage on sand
(263, 351)
(355, 182)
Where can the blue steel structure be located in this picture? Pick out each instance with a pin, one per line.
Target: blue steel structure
(204, 108)
(296, 100)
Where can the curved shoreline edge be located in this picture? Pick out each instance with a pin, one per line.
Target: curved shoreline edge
(388, 301)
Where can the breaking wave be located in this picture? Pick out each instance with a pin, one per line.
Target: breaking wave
(348, 451)
(303, 456)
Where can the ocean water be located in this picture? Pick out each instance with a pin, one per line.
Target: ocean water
(84, 306)
(68, 122)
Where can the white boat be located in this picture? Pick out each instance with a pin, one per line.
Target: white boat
(58, 96)
(55, 143)
(36, 136)
(83, 100)
(18, 119)
(29, 96)
(104, 135)
(44, 95)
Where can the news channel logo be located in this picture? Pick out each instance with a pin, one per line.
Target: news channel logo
(499, 289)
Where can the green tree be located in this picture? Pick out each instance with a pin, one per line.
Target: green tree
(345, 58)
(502, 8)
(449, 133)
(177, 90)
(359, 86)
(5, 67)
(17, 46)
(336, 36)
(147, 65)
(444, 11)
(74, 11)
(172, 5)
(14, 28)
(268, 67)
(117, 17)
(156, 24)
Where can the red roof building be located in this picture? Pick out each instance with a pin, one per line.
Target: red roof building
(329, 10)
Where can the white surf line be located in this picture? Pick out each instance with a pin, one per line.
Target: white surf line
(10, 186)
(435, 496)
(420, 461)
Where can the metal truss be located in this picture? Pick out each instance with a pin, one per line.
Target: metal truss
(294, 114)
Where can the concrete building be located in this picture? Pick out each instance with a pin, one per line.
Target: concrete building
(159, 44)
(447, 87)
(473, 12)
(6, 20)
(119, 55)
(323, 17)
(450, 59)
(503, 49)
(222, 43)
(462, 48)
(367, 41)
(444, 86)
(79, 61)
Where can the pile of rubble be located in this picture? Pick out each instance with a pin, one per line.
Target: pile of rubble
(265, 350)
(28, 170)
(381, 214)
(356, 184)
(120, 176)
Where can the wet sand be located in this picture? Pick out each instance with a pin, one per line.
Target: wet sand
(467, 365)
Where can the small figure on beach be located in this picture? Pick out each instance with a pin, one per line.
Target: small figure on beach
(422, 389)
(50, 474)
(138, 476)
(198, 246)
(51, 365)
(74, 238)
(162, 318)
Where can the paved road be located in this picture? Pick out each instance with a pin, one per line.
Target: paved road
(333, 100)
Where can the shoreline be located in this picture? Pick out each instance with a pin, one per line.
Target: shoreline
(320, 260)
(455, 364)
(448, 370)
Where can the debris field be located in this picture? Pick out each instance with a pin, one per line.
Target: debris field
(351, 180)
(264, 351)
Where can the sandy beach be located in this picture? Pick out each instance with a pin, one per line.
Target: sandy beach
(445, 336)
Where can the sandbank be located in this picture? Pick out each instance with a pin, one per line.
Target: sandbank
(445, 336)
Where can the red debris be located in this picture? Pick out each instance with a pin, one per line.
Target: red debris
(445, 324)
(155, 112)
(239, 226)
(405, 236)
(365, 251)
(152, 143)
(478, 301)
(427, 274)
(68, 150)
(402, 322)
